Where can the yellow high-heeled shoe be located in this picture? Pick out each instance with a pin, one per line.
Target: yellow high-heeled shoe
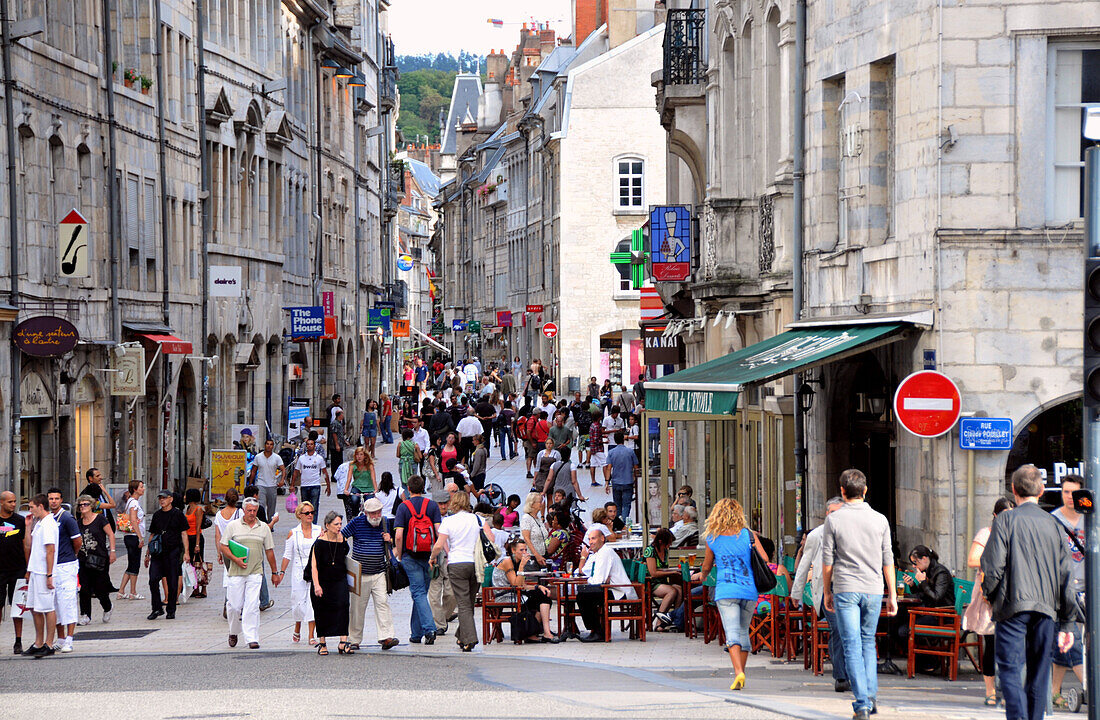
(738, 682)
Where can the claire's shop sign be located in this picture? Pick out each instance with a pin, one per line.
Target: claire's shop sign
(45, 336)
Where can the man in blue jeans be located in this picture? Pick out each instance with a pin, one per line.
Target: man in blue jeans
(1028, 578)
(856, 560)
(622, 461)
(421, 623)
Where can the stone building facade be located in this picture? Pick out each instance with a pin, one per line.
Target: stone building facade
(536, 208)
(295, 199)
(942, 181)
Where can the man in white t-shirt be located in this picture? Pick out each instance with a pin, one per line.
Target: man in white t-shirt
(469, 370)
(612, 424)
(40, 585)
(308, 471)
(267, 474)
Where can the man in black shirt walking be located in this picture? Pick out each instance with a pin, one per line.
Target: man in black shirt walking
(169, 524)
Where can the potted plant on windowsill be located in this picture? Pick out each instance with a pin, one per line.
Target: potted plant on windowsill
(146, 83)
(129, 77)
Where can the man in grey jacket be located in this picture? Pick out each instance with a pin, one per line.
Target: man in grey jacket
(1028, 579)
(811, 557)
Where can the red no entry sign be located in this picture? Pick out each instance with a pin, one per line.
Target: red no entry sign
(550, 329)
(927, 403)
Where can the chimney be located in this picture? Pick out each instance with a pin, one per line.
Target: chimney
(496, 65)
(492, 101)
(547, 42)
(622, 25)
(588, 16)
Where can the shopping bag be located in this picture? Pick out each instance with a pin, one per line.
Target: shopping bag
(292, 502)
(19, 608)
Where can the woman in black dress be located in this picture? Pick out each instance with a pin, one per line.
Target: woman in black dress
(329, 594)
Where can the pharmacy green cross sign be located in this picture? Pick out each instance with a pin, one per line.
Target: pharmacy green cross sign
(635, 258)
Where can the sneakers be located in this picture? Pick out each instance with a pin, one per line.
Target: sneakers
(107, 616)
(267, 606)
(43, 651)
(67, 645)
(429, 639)
(31, 651)
(84, 620)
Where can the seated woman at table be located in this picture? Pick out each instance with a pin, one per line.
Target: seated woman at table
(602, 520)
(930, 582)
(558, 538)
(665, 586)
(536, 600)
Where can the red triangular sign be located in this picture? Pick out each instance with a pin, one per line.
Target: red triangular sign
(74, 218)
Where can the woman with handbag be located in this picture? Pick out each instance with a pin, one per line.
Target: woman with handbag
(97, 552)
(196, 544)
(132, 523)
(299, 543)
(730, 545)
(978, 617)
(459, 534)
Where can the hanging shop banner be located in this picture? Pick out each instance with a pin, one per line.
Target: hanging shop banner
(474, 326)
(72, 245)
(504, 318)
(227, 469)
(307, 323)
(660, 350)
(400, 328)
(328, 302)
(45, 336)
(129, 376)
(225, 281)
(379, 318)
(404, 262)
(670, 242)
(458, 325)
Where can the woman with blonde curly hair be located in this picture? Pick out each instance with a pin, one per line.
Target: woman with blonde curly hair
(729, 542)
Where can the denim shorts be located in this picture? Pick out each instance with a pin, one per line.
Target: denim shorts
(736, 616)
(1076, 654)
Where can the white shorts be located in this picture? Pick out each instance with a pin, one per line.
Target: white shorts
(598, 460)
(66, 592)
(39, 597)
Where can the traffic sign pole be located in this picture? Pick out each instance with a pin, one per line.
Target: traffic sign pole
(1092, 432)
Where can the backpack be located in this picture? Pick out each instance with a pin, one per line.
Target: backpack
(421, 532)
(521, 427)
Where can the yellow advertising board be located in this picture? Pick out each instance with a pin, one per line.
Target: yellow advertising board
(227, 470)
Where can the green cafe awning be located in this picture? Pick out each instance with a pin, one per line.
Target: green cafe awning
(712, 388)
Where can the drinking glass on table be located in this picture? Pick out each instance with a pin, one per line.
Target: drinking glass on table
(692, 557)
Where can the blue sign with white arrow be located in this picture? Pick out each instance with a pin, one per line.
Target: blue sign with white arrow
(985, 433)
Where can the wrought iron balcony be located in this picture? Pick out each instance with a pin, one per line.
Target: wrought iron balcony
(684, 62)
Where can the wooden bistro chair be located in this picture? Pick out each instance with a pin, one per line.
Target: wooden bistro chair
(495, 611)
(819, 644)
(628, 612)
(781, 609)
(938, 632)
(694, 607)
(568, 610)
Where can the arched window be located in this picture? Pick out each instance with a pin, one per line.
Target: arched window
(630, 173)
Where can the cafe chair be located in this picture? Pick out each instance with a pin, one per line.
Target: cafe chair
(495, 611)
(819, 645)
(629, 613)
(568, 609)
(694, 607)
(781, 615)
(937, 632)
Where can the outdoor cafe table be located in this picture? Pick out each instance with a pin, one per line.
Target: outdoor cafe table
(630, 547)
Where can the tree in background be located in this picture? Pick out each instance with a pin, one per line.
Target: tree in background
(425, 83)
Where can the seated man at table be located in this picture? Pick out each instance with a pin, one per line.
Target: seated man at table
(686, 531)
(602, 566)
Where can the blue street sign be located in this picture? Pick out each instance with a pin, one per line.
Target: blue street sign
(307, 322)
(458, 325)
(985, 433)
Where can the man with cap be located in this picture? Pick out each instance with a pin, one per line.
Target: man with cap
(170, 524)
(370, 538)
(252, 540)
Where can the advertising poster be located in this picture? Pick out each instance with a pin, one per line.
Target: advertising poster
(227, 469)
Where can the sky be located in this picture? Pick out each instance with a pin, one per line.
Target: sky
(448, 26)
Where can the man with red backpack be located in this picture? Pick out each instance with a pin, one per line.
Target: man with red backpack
(416, 524)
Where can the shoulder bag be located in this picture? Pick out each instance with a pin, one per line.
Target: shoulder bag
(762, 575)
(396, 577)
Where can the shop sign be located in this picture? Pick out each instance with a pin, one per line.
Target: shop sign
(693, 401)
(534, 308)
(661, 350)
(670, 243)
(129, 376)
(474, 326)
(35, 400)
(307, 323)
(985, 433)
(458, 325)
(45, 336)
(672, 448)
(72, 241)
(400, 328)
(328, 302)
(404, 262)
(225, 281)
(504, 318)
(379, 318)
